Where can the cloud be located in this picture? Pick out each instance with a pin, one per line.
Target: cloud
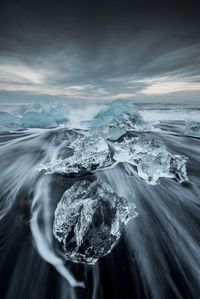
(170, 87)
(103, 50)
(51, 81)
(169, 84)
(19, 73)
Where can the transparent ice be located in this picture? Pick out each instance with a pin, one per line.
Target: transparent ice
(89, 219)
(38, 120)
(155, 165)
(90, 152)
(9, 122)
(151, 158)
(120, 114)
(59, 113)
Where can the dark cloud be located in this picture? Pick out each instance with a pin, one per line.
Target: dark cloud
(98, 48)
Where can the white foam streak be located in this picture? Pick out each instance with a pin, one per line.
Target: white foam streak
(43, 238)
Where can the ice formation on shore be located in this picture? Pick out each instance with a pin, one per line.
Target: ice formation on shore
(89, 219)
(44, 115)
(151, 158)
(148, 155)
(58, 112)
(36, 115)
(38, 120)
(9, 122)
(120, 114)
(90, 152)
(96, 149)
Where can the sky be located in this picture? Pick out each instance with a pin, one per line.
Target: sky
(146, 50)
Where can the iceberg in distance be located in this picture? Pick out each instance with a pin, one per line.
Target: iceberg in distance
(89, 219)
(114, 121)
(9, 122)
(38, 120)
(106, 115)
(58, 113)
(120, 114)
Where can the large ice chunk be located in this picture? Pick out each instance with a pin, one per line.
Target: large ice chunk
(107, 114)
(192, 129)
(120, 125)
(9, 122)
(38, 120)
(151, 158)
(120, 114)
(89, 219)
(90, 152)
(59, 112)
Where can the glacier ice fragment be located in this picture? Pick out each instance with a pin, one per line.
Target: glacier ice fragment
(90, 153)
(38, 120)
(59, 113)
(131, 150)
(153, 166)
(9, 122)
(151, 159)
(120, 115)
(89, 219)
(106, 115)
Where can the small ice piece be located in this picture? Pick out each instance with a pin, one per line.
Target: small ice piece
(90, 153)
(89, 220)
(192, 129)
(9, 122)
(151, 159)
(162, 164)
(38, 120)
(178, 167)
